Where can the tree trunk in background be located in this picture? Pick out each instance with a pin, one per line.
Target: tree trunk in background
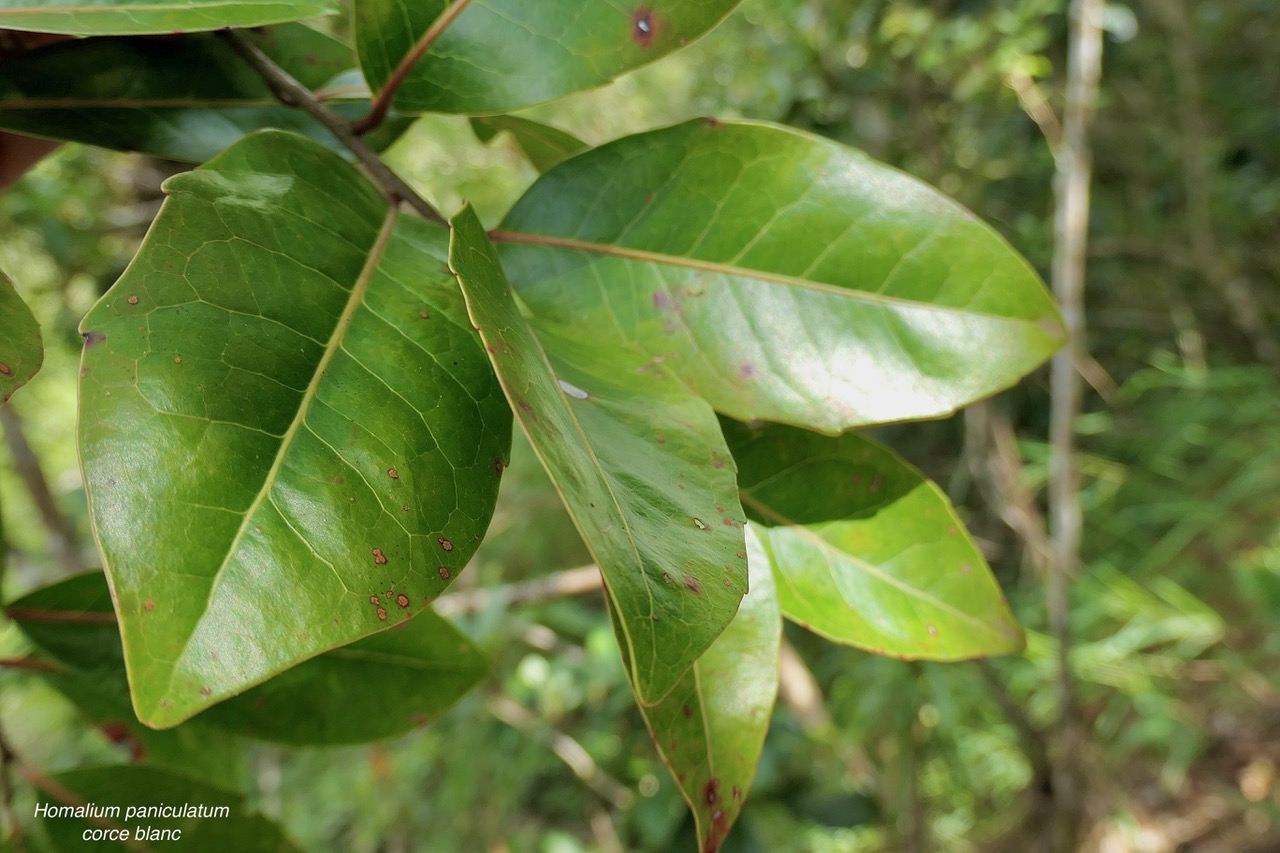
(1071, 234)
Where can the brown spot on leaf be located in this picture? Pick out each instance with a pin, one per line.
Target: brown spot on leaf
(132, 300)
(746, 371)
(693, 585)
(728, 522)
(393, 473)
(177, 359)
(737, 792)
(379, 557)
(444, 573)
(405, 507)
(875, 484)
(402, 600)
(149, 605)
(445, 544)
(373, 599)
(711, 793)
(5, 369)
(933, 632)
(653, 616)
(498, 467)
(663, 301)
(94, 338)
(205, 691)
(643, 26)
(687, 711)
(424, 315)
(382, 614)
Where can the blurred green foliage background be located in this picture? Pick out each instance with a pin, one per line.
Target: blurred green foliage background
(1180, 443)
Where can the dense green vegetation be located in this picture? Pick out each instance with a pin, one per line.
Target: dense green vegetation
(1179, 448)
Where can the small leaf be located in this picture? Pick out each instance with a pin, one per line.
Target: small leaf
(377, 687)
(639, 463)
(183, 98)
(781, 276)
(226, 823)
(866, 551)
(21, 347)
(161, 17)
(503, 54)
(285, 418)
(711, 727)
(542, 144)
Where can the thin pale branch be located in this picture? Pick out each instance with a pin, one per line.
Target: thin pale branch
(381, 105)
(566, 749)
(291, 93)
(1071, 239)
(27, 465)
(563, 584)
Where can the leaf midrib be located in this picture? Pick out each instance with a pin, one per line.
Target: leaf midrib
(734, 271)
(354, 301)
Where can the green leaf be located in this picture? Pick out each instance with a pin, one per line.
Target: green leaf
(126, 787)
(780, 275)
(866, 551)
(542, 144)
(503, 54)
(161, 17)
(377, 687)
(184, 98)
(639, 463)
(72, 622)
(21, 348)
(710, 729)
(284, 414)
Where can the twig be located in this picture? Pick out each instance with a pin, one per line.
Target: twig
(1071, 237)
(563, 584)
(382, 103)
(27, 464)
(8, 760)
(34, 664)
(291, 93)
(566, 748)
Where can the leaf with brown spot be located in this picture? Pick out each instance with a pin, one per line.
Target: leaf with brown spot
(499, 55)
(21, 346)
(711, 727)
(291, 287)
(595, 438)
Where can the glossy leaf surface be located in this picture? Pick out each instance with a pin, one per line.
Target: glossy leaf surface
(502, 54)
(866, 551)
(183, 98)
(21, 346)
(284, 416)
(710, 729)
(545, 146)
(161, 17)
(781, 276)
(377, 687)
(640, 464)
(148, 787)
